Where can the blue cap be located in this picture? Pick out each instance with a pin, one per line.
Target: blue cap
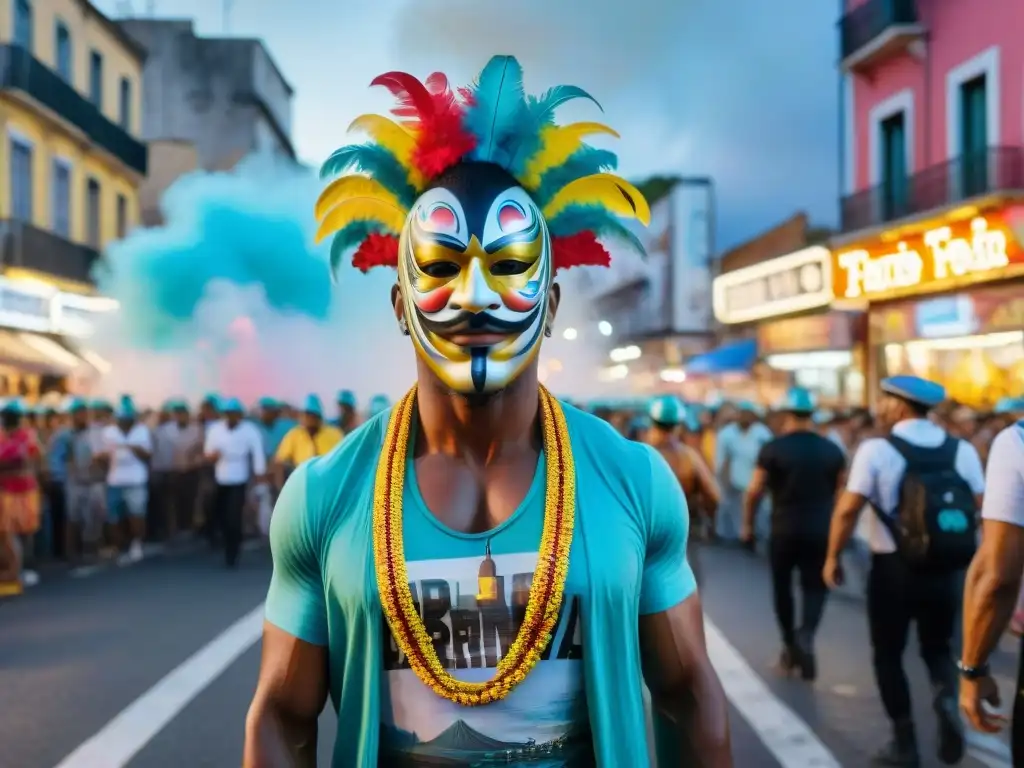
(667, 409)
(347, 397)
(212, 399)
(377, 404)
(268, 402)
(101, 405)
(75, 405)
(640, 422)
(313, 406)
(1009, 405)
(232, 405)
(15, 405)
(126, 408)
(798, 400)
(914, 389)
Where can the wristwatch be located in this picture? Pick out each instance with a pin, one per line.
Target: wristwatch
(972, 673)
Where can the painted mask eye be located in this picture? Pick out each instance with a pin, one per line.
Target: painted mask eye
(512, 218)
(441, 218)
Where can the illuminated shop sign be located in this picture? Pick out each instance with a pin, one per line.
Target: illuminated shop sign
(965, 251)
(792, 283)
(38, 307)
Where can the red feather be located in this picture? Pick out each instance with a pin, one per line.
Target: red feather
(376, 250)
(413, 97)
(580, 250)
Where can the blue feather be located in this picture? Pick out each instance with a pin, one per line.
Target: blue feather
(498, 114)
(540, 111)
(585, 161)
(593, 218)
(544, 106)
(350, 237)
(375, 161)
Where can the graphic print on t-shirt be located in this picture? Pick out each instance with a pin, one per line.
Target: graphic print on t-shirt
(473, 608)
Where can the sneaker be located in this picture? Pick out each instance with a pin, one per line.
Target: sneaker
(29, 578)
(135, 551)
(787, 660)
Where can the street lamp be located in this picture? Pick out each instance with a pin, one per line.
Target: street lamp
(569, 334)
(604, 328)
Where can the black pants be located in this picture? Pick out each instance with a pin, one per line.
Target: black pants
(1017, 730)
(57, 499)
(229, 504)
(898, 596)
(807, 557)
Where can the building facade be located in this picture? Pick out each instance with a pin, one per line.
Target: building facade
(71, 164)
(933, 169)
(224, 97)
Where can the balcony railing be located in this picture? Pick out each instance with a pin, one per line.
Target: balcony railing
(20, 71)
(28, 247)
(868, 24)
(988, 171)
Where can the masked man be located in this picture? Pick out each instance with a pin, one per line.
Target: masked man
(524, 557)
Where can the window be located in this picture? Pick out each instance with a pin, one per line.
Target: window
(96, 79)
(21, 180)
(92, 213)
(122, 216)
(23, 24)
(62, 44)
(61, 202)
(894, 165)
(125, 104)
(974, 136)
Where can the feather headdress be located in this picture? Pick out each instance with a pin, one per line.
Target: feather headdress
(375, 183)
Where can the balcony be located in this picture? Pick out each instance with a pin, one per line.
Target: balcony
(876, 31)
(19, 71)
(28, 247)
(996, 170)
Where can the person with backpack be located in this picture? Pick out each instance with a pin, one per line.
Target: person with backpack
(924, 488)
(993, 583)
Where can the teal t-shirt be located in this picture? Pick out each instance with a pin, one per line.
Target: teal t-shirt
(582, 704)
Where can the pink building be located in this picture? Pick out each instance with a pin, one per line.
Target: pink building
(932, 225)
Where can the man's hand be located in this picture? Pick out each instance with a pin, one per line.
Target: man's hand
(746, 532)
(832, 573)
(974, 695)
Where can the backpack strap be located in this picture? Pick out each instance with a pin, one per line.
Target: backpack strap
(927, 459)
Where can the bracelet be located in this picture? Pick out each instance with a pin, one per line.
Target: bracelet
(972, 673)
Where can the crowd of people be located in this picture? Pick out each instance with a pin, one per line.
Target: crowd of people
(94, 481)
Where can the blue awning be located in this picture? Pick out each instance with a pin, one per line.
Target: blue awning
(734, 357)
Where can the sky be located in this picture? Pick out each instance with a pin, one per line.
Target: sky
(744, 91)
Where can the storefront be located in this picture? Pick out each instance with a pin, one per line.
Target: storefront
(42, 333)
(783, 304)
(945, 302)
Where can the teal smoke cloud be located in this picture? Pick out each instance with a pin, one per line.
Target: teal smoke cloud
(251, 228)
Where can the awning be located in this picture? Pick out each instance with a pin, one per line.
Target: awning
(735, 357)
(35, 353)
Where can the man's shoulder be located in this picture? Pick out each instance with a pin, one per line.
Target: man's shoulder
(337, 475)
(599, 449)
(1010, 440)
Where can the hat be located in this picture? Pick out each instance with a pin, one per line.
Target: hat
(915, 390)
(667, 409)
(640, 422)
(347, 397)
(377, 404)
(178, 404)
(15, 405)
(126, 408)
(1009, 405)
(101, 405)
(75, 405)
(212, 399)
(313, 405)
(798, 400)
(750, 407)
(268, 402)
(232, 405)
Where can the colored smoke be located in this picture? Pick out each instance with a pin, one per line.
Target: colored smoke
(231, 295)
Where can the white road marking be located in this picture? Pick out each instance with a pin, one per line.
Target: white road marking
(790, 740)
(124, 736)
(989, 749)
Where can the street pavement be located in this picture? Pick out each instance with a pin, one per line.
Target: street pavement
(153, 666)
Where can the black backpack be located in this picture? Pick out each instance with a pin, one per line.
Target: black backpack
(935, 523)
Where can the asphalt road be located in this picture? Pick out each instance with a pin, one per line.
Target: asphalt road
(93, 670)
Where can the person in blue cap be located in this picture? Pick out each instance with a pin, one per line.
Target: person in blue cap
(348, 418)
(303, 442)
(924, 488)
(20, 506)
(273, 425)
(667, 416)
(377, 404)
(235, 449)
(85, 488)
(802, 472)
(736, 449)
(127, 447)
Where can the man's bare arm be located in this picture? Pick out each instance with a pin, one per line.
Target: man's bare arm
(844, 521)
(990, 593)
(281, 728)
(685, 690)
(752, 498)
(707, 485)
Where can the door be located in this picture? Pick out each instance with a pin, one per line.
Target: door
(974, 137)
(894, 167)
(92, 213)
(21, 180)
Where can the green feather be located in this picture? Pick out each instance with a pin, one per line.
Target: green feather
(376, 162)
(350, 237)
(593, 218)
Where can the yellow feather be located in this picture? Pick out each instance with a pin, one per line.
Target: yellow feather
(557, 144)
(394, 138)
(346, 187)
(616, 195)
(361, 209)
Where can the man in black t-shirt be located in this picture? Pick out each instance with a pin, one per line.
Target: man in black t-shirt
(802, 471)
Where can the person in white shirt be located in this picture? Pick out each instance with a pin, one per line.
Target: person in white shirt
(235, 449)
(993, 583)
(737, 448)
(127, 447)
(919, 457)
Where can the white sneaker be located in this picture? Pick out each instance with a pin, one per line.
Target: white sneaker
(29, 578)
(135, 551)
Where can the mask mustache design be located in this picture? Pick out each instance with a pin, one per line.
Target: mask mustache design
(479, 322)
